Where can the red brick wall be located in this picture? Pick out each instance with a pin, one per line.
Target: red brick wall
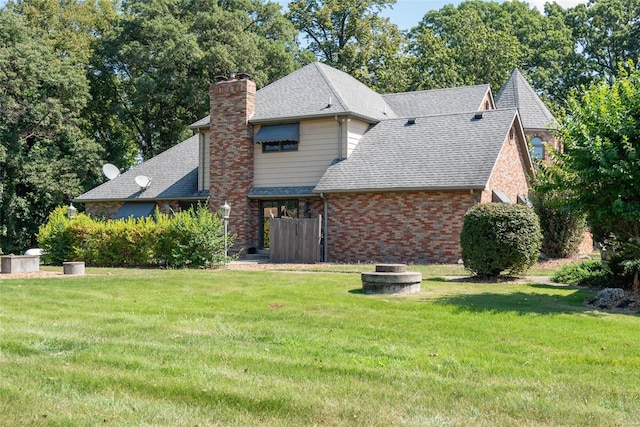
(408, 227)
(231, 160)
(509, 174)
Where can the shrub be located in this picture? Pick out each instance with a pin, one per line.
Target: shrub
(587, 273)
(191, 238)
(499, 237)
(562, 230)
(55, 238)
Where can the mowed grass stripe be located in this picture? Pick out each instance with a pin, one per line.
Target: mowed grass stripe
(153, 347)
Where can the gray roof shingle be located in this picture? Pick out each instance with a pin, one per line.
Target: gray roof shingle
(316, 90)
(517, 93)
(308, 92)
(445, 152)
(438, 101)
(173, 173)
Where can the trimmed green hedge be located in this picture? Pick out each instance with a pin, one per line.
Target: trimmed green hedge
(192, 238)
(498, 237)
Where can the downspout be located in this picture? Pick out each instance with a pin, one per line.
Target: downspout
(326, 228)
(340, 157)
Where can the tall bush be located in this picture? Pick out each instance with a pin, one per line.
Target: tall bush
(55, 238)
(562, 229)
(499, 237)
(192, 238)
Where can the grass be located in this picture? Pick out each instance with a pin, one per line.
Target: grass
(185, 348)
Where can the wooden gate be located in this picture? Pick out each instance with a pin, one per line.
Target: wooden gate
(294, 240)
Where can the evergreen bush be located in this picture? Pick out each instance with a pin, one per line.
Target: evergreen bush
(587, 273)
(499, 237)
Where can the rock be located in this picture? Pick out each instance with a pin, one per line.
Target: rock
(608, 297)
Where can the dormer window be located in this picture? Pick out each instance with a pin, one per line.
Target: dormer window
(278, 137)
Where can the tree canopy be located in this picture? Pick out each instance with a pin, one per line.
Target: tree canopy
(353, 37)
(44, 155)
(482, 42)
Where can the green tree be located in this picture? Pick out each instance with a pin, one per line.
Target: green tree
(354, 38)
(163, 55)
(44, 155)
(607, 35)
(598, 169)
(74, 30)
(482, 42)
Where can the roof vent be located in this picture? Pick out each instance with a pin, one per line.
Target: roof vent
(232, 75)
(411, 121)
(478, 115)
(329, 103)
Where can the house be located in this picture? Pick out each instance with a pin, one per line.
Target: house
(391, 176)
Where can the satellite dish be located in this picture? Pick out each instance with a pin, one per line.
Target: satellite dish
(143, 181)
(110, 171)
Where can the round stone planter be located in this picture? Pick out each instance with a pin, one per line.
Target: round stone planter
(391, 279)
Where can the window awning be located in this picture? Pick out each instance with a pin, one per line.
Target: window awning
(135, 210)
(278, 133)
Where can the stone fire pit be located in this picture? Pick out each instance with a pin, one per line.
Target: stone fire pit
(391, 279)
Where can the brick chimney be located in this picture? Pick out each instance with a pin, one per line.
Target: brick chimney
(231, 147)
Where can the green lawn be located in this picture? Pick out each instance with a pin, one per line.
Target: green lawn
(276, 348)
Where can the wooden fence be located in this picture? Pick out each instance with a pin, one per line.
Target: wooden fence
(295, 240)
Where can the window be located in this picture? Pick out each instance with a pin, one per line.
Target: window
(278, 137)
(537, 150)
(268, 147)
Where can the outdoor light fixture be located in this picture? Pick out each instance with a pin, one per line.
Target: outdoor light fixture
(226, 211)
(71, 211)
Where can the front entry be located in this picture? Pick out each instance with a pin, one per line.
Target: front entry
(270, 209)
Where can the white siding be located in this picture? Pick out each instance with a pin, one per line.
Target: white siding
(355, 130)
(317, 148)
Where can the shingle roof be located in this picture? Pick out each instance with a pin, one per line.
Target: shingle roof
(173, 173)
(307, 93)
(517, 93)
(318, 90)
(438, 101)
(446, 152)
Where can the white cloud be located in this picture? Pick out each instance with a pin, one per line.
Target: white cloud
(564, 3)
